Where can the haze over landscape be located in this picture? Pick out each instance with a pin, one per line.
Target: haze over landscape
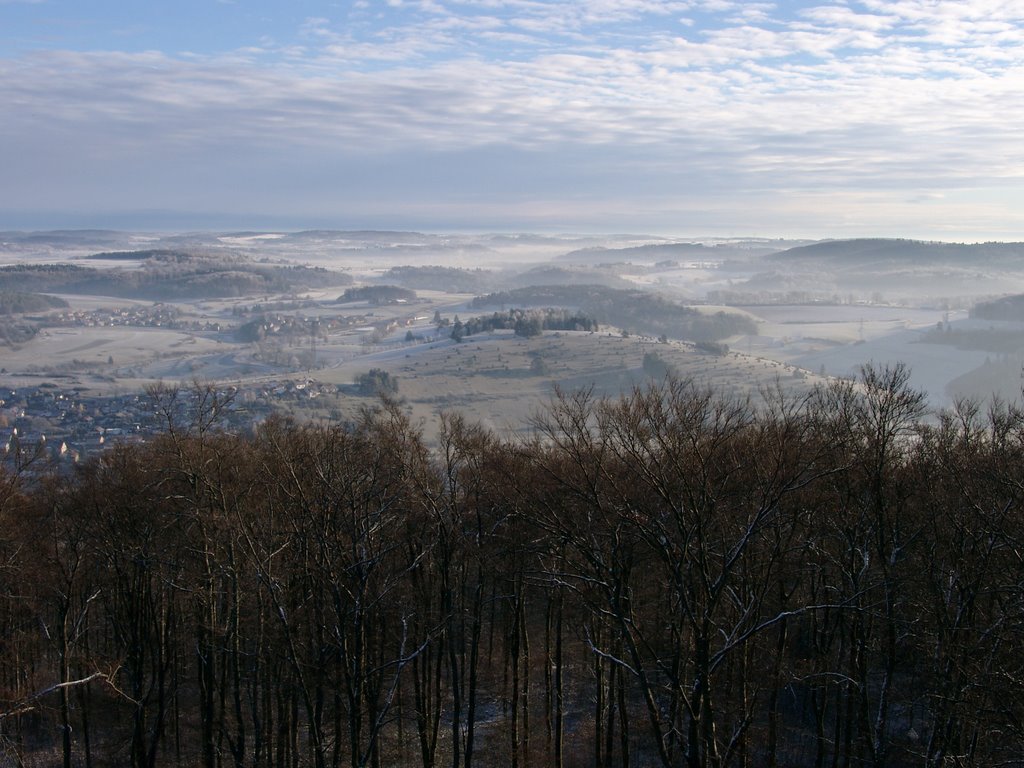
(528, 382)
(688, 118)
(364, 138)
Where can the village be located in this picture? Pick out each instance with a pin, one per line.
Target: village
(66, 425)
(158, 315)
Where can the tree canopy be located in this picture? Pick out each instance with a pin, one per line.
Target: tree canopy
(667, 578)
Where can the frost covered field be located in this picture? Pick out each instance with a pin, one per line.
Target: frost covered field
(839, 339)
(810, 310)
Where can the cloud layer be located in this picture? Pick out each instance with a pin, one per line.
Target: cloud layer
(676, 115)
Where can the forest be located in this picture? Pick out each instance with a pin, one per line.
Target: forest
(169, 275)
(668, 578)
(524, 322)
(15, 303)
(378, 294)
(440, 278)
(631, 309)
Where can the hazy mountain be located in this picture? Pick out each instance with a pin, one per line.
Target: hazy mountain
(1009, 308)
(688, 251)
(77, 237)
(890, 252)
(571, 275)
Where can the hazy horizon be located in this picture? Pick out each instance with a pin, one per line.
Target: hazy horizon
(174, 224)
(803, 119)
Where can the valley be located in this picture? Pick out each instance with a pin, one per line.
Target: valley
(259, 313)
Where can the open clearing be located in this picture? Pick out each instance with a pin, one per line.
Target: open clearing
(67, 350)
(501, 380)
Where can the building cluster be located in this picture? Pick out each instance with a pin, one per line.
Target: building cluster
(292, 326)
(66, 423)
(155, 316)
(297, 327)
(69, 425)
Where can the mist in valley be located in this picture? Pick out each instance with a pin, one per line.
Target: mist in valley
(511, 383)
(429, 466)
(493, 324)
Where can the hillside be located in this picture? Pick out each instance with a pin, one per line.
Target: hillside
(656, 580)
(892, 252)
(1006, 308)
(633, 310)
(501, 379)
(166, 275)
(685, 251)
(15, 303)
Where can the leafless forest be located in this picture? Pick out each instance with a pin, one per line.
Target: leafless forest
(670, 578)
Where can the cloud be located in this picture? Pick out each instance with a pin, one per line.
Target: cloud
(666, 96)
(653, 96)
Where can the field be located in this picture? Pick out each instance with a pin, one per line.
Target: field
(104, 345)
(839, 339)
(500, 380)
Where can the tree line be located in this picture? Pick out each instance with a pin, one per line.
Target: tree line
(669, 578)
(170, 276)
(17, 303)
(524, 322)
(632, 309)
(377, 294)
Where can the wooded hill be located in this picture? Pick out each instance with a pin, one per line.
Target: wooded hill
(438, 278)
(684, 251)
(1005, 308)
(15, 303)
(15, 329)
(524, 322)
(378, 294)
(633, 310)
(169, 275)
(899, 252)
(667, 579)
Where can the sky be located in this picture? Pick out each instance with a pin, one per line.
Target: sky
(673, 117)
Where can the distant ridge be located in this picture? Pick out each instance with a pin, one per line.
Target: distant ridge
(163, 254)
(650, 251)
(63, 234)
(364, 235)
(893, 250)
(63, 237)
(668, 251)
(1006, 308)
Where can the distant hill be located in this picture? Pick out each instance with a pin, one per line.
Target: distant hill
(1006, 308)
(169, 277)
(84, 237)
(365, 236)
(687, 251)
(630, 309)
(378, 294)
(73, 241)
(569, 275)
(15, 303)
(439, 278)
(653, 251)
(867, 251)
(169, 255)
